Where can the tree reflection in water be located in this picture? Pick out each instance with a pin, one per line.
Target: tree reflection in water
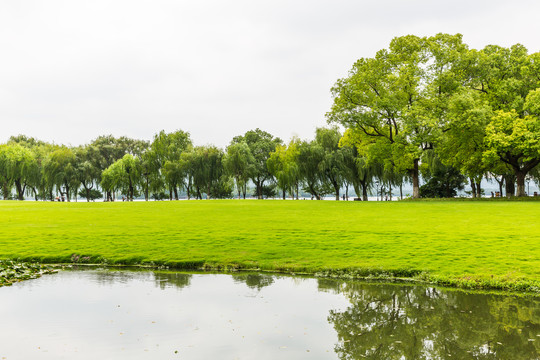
(255, 280)
(162, 279)
(416, 322)
(172, 279)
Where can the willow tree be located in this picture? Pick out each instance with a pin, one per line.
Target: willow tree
(310, 156)
(399, 97)
(239, 163)
(283, 165)
(168, 148)
(60, 169)
(19, 168)
(332, 164)
(124, 175)
(207, 170)
(86, 170)
(261, 144)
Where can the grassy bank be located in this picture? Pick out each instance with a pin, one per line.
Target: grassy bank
(466, 244)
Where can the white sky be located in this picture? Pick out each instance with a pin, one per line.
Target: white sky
(72, 70)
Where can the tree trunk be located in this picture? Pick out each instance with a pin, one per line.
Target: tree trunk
(473, 188)
(415, 180)
(5, 190)
(259, 189)
(520, 181)
(20, 191)
(478, 190)
(390, 191)
(283, 190)
(175, 193)
(357, 190)
(509, 185)
(146, 190)
(336, 189)
(401, 191)
(364, 191)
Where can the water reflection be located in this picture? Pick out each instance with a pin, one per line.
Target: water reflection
(149, 315)
(414, 322)
(172, 279)
(254, 281)
(162, 279)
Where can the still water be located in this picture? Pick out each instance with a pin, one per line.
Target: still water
(108, 314)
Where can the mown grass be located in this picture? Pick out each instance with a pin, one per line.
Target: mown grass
(467, 244)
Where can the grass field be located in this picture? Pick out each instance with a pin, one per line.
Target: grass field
(468, 244)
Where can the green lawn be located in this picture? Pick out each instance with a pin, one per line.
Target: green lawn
(490, 244)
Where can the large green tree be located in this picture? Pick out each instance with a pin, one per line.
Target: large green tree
(400, 97)
(515, 139)
(507, 80)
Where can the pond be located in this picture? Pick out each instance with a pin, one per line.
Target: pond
(111, 314)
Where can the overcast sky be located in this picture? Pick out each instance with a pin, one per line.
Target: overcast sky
(73, 70)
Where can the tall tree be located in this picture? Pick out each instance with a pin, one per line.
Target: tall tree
(507, 79)
(399, 97)
(515, 139)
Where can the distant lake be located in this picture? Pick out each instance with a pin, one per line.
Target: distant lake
(111, 314)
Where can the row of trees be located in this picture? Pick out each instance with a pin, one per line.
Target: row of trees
(432, 99)
(426, 107)
(170, 166)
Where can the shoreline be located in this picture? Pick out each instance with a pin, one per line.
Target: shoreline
(522, 287)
